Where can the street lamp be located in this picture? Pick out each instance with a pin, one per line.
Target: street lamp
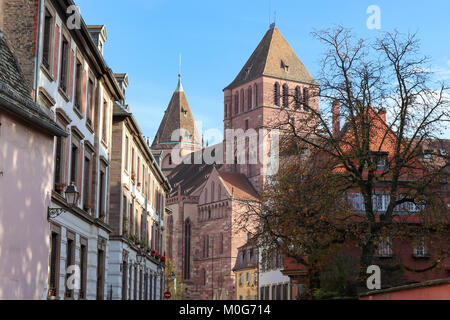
(71, 199)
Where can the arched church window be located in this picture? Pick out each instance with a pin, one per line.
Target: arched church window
(256, 95)
(298, 97)
(187, 249)
(285, 96)
(249, 98)
(276, 94)
(242, 100)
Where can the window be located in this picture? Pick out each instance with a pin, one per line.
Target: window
(83, 268)
(187, 250)
(305, 97)
(380, 202)
(55, 243)
(59, 163)
(298, 97)
(276, 94)
(47, 45)
(90, 101)
(382, 162)
(221, 244)
(428, 155)
(70, 260)
(105, 122)
(246, 124)
(242, 100)
(420, 248)
(74, 163)
(101, 197)
(124, 279)
(133, 171)
(78, 85)
(274, 292)
(249, 98)
(87, 184)
(101, 268)
(127, 143)
(385, 248)
(226, 111)
(285, 96)
(256, 95)
(64, 71)
(236, 103)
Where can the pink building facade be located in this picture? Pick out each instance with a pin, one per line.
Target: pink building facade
(26, 167)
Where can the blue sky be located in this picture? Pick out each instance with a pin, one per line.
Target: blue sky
(215, 38)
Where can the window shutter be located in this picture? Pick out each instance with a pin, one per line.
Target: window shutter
(66, 162)
(72, 59)
(56, 54)
(80, 171)
(83, 95)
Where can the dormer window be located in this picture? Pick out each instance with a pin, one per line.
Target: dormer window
(284, 66)
(428, 155)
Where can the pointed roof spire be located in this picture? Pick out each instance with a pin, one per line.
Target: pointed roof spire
(178, 115)
(273, 57)
(179, 86)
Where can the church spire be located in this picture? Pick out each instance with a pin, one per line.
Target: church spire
(179, 86)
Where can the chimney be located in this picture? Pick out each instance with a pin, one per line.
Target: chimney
(382, 114)
(336, 118)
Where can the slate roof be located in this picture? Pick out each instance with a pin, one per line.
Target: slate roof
(15, 96)
(270, 57)
(178, 115)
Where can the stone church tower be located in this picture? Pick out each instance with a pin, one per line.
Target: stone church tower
(270, 80)
(202, 236)
(177, 131)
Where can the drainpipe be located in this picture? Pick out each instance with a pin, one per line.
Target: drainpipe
(38, 51)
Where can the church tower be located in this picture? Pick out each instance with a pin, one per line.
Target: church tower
(177, 131)
(268, 82)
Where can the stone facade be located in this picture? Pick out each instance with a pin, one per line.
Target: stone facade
(137, 210)
(73, 84)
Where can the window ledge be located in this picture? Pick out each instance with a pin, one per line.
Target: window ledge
(63, 94)
(421, 257)
(77, 112)
(47, 73)
(89, 127)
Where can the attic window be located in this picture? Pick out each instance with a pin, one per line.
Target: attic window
(284, 66)
(443, 152)
(247, 71)
(184, 111)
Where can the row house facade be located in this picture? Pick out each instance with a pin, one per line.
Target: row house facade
(137, 210)
(64, 65)
(26, 163)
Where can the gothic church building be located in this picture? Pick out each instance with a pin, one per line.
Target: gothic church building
(202, 239)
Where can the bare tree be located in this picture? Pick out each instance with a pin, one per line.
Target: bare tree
(389, 151)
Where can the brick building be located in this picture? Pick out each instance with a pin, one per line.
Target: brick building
(415, 253)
